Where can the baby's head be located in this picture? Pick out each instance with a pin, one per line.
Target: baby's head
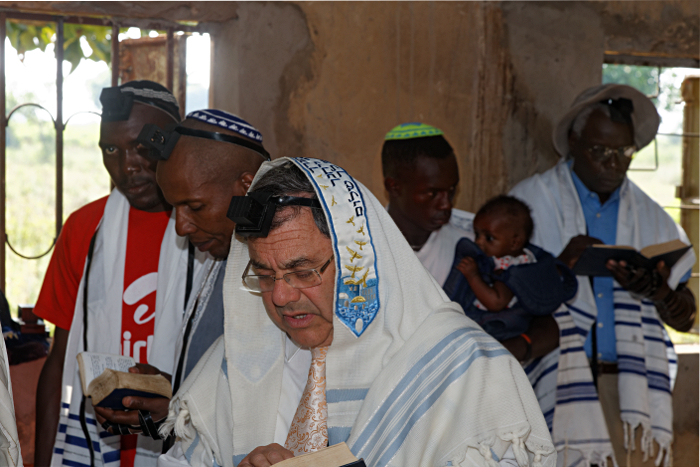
(503, 226)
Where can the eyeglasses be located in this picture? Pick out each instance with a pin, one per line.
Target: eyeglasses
(298, 279)
(603, 154)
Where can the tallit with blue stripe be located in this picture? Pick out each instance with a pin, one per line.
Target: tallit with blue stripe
(411, 381)
(105, 297)
(646, 361)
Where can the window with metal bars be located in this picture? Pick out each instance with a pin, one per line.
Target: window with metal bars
(128, 56)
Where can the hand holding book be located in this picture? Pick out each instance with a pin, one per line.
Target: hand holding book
(120, 388)
(651, 284)
(157, 407)
(575, 248)
(593, 261)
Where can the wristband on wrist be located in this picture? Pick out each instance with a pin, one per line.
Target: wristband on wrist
(528, 351)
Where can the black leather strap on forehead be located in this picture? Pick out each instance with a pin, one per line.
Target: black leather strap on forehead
(253, 213)
(161, 143)
(225, 139)
(116, 106)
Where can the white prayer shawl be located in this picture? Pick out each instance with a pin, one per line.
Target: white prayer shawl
(438, 253)
(10, 455)
(646, 360)
(410, 379)
(106, 287)
(199, 299)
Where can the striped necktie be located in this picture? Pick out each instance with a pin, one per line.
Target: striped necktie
(309, 430)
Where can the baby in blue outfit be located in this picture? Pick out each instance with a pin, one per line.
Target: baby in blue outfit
(501, 280)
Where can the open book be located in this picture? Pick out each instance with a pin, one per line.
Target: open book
(105, 378)
(594, 258)
(338, 455)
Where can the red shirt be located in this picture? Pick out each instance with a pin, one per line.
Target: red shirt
(56, 302)
(146, 230)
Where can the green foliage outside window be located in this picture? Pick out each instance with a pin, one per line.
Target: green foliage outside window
(29, 36)
(26, 36)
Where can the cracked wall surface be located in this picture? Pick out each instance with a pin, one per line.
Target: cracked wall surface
(328, 79)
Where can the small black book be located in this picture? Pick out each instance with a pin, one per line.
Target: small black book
(595, 257)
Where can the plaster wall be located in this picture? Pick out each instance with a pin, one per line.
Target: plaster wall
(340, 75)
(555, 52)
(328, 79)
(669, 28)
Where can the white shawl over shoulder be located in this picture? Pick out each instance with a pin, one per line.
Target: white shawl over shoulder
(646, 361)
(106, 287)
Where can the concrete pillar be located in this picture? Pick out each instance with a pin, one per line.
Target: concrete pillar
(688, 191)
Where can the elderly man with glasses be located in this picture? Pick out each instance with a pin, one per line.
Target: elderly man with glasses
(613, 321)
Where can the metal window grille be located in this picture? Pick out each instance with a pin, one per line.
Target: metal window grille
(59, 122)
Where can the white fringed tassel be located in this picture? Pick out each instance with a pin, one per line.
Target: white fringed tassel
(537, 460)
(647, 443)
(178, 421)
(167, 427)
(668, 461)
(520, 452)
(485, 452)
(183, 427)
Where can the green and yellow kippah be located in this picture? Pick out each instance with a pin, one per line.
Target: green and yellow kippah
(412, 130)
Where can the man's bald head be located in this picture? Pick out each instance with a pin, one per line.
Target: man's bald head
(199, 179)
(215, 160)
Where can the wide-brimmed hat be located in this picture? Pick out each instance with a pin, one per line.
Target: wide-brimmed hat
(645, 118)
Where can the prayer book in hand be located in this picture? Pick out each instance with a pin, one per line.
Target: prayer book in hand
(105, 378)
(595, 257)
(338, 455)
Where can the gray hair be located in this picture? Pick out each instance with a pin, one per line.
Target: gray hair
(581, 119)
(288, 180)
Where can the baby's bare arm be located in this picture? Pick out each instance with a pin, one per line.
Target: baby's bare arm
(495, 298)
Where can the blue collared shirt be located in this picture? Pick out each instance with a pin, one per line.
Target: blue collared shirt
(601, 223)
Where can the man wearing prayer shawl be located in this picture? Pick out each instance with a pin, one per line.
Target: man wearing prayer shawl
(117, 283)
(334, 332)
(616, 322)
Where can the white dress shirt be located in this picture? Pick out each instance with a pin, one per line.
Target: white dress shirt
(297, 362)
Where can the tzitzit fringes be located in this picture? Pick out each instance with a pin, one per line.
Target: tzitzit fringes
(668, 460)
(520, 452)
(647, 443)
(485, 452)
